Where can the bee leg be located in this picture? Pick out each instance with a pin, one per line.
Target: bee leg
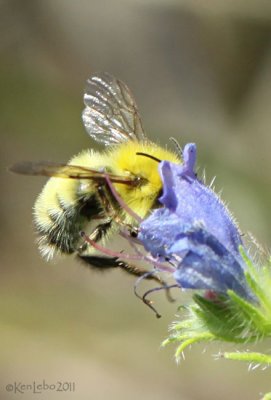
(103, 263)
(141, 272)
(99, 233)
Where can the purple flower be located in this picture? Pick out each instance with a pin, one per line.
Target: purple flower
(195, 231)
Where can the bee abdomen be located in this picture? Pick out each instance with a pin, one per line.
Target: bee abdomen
(59, 232)
(59, 218)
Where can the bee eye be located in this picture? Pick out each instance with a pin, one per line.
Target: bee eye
(139, 181)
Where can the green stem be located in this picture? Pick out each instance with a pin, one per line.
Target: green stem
(254, 357)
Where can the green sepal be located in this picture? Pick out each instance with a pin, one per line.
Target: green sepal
(228, 317)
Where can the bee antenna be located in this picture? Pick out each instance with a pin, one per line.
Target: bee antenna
(139, 153)
(177, 145)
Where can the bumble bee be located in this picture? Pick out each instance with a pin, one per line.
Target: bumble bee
(77, 194)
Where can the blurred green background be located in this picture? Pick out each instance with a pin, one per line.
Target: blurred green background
(200, 72)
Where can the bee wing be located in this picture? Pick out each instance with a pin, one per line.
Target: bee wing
(111, 114)
(59, 170)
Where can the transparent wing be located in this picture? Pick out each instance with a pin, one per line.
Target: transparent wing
(111, 114)
(59, 170)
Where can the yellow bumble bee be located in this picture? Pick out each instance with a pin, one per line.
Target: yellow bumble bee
(77, 193)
